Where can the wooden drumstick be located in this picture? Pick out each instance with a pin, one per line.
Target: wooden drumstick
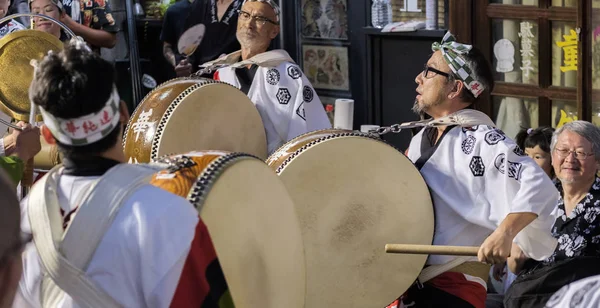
(432, 250)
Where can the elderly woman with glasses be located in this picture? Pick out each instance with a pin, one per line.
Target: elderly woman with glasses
(575, 151)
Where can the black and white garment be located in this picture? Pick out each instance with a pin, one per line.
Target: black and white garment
(584, 293)
(578, 233)
(10, 27)
(287, 103)
(476, 179)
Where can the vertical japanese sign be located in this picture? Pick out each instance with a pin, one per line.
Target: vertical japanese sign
(527, 52)
(569, 47)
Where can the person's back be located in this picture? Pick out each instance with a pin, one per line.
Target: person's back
(129, 268)
(139, 260)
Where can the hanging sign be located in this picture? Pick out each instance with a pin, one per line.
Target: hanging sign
(527, 53)
(569, 47)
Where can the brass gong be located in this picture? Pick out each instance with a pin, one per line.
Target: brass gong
(17, 49)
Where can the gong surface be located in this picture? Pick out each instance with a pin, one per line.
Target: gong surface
(17, 49)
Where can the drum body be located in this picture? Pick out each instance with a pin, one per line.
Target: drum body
(186, 114)
(251, 221)
(353, 194)
(47, 157)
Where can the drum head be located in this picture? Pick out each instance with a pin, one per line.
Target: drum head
(141, 128)
(214, 116)
(254, 229)
(17, 49)
(354, 194)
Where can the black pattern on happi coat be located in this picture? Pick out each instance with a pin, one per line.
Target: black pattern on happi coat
(301, 112)
(283, 96)
(494, 136)
(294, 72)
(273, 76)
(476, 165)
(468, 144)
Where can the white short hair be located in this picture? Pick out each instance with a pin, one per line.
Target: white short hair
(271, 3)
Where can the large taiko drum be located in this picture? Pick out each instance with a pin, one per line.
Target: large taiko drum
(353, 194)
(252, 224)
(47, 157)
(186, 114)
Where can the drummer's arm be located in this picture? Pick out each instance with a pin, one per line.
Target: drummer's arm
(497, 247)
(100, 38)
(516, 260)
(169, 54)
(95, 37)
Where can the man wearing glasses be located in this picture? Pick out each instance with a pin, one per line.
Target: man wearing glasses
(485, 191)
(284, 97)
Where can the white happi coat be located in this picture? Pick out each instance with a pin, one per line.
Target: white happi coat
(476, 177)
(139, 260)
(285, 99)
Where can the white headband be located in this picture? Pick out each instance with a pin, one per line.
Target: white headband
(86, 129)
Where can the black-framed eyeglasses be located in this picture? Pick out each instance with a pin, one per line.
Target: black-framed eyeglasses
(260, 20)
(428, 69)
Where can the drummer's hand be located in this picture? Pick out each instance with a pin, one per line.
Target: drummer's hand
(499, 271)
(27, 141)
(183, 69)
(496, 248)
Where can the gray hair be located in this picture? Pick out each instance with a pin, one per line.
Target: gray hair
(584, 129)
(272, 3)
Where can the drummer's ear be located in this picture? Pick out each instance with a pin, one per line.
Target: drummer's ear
(48, 135)
(124, 113)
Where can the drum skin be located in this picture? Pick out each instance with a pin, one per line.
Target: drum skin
(137, 147)
(189, 114)
(353, 194)
(251, 221)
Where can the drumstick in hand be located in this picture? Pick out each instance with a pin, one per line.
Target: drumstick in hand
(432, 250)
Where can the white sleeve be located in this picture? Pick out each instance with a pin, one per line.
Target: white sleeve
(163, 293)
(514, 183)
(164, 243)
(2, 152)
(309, 114)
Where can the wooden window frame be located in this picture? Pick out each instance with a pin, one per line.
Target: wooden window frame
(477, 30)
